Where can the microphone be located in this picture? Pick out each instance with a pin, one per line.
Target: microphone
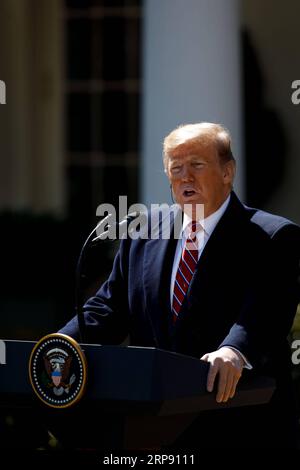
(172, 194)
(106, 233)
(121, 225)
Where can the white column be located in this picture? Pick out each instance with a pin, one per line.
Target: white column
(191, 73)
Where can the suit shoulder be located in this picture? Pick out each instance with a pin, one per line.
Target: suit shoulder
(271, 224)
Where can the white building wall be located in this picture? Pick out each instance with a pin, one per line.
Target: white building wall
(191, 73)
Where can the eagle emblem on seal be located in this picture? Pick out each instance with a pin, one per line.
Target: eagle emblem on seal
(57, 366)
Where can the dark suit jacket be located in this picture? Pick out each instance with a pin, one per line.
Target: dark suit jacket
(244, 292)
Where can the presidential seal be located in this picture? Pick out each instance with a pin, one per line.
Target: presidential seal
(58, 370)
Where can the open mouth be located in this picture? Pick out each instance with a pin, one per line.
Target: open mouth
(189, 192)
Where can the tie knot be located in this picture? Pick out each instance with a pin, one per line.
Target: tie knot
(192, 229)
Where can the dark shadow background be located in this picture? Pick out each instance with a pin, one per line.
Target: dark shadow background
(39, 252)
(265, 142)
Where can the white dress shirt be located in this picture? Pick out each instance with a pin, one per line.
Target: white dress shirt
(208, 225)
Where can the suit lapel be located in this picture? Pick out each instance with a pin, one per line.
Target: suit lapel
(226, 230)
(214, 258)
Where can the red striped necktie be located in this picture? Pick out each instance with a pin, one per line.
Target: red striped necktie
(186, 268)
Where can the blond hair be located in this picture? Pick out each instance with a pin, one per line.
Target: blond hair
(204, 132)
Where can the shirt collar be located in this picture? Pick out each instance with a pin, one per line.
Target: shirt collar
(209, 224)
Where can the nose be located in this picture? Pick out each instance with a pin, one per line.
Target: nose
(187, 173)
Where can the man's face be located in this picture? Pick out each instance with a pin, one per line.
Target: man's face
(198, 177)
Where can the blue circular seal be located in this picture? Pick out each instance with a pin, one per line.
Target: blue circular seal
(58, 370)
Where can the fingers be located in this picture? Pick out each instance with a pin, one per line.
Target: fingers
(211, 376)
(228, 372)
(212, 372)
(225, 386)
(228, 380)
(205, 357)
(234, 384)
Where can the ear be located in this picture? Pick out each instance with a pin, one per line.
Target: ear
(229, 172)
(166, 173)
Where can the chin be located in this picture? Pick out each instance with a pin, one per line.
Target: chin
(194, 209)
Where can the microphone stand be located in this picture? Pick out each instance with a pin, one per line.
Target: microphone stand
(91, 240)
(78, 286)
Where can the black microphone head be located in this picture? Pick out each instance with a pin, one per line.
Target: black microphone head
(171, 189)
(115, 227)
(130, 217)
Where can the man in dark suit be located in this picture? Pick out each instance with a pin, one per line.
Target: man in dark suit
(229, 300)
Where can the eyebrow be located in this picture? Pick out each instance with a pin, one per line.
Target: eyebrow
(179, 160)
